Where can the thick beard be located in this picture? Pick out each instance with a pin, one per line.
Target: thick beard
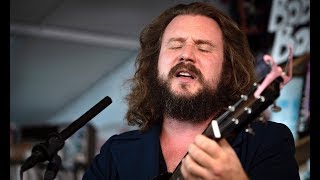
(188, 108)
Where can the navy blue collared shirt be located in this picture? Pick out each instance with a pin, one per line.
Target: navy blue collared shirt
(268, 154)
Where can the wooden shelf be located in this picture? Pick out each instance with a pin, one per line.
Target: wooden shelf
(300, 65)
(302, 150)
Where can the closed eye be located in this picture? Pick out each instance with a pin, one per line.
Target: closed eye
(175, 45)
(205, 48)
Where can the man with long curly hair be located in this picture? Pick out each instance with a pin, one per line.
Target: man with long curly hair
(194, 61)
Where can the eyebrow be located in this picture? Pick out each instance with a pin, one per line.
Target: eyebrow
(197, 42)
(204, 42)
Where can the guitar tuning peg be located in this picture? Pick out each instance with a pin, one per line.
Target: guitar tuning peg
(249, 130)
(275, 108)
(261, 117)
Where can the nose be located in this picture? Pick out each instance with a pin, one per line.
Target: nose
(188, 53)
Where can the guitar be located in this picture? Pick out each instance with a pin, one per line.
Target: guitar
(246, 109)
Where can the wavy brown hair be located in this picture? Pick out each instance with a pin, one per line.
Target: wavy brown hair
(238, 70)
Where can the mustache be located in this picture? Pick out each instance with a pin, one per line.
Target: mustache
(189, 67)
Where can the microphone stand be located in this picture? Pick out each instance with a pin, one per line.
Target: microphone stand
(47, 151)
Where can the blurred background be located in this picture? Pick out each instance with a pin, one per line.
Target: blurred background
(67, 55)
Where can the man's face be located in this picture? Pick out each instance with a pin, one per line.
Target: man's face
(195, 44)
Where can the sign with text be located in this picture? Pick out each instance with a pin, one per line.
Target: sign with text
(289, 20)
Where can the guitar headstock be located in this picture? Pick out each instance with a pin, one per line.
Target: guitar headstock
(251, 105)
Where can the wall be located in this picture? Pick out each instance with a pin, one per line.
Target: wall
(111, 119)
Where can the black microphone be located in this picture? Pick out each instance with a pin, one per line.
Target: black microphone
(47, 150)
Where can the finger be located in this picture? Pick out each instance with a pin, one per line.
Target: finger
(199, 156)
(208, 145)
(190, 169)
(224, 144)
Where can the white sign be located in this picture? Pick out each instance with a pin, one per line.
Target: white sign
(289, 20)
